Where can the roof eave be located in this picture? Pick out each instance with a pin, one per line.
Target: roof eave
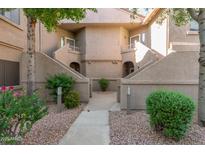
(152, 16)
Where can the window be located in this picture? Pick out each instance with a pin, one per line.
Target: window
(143, 38)
(194, 26)
(134, 40)
(67, 40)
(13, 15)
(9, 73)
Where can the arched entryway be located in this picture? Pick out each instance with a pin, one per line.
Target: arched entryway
(128, 67)
(75, 66)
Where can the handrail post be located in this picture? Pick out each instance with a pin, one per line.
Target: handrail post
(118, 93)
(59, 99)
(128, 100)
(91, 87)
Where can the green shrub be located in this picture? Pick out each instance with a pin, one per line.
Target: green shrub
(170, 112)
(104, 83)
(72, 99)
(59, 80)
(18, 113)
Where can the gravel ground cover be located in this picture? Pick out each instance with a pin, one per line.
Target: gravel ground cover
(134, 128)
(51, 128)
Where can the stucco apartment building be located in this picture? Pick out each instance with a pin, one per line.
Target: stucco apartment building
(132, 53)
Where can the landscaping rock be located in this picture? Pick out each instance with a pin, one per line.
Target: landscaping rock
(51, 128)
(134, 128)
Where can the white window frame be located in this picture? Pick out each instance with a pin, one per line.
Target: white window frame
(63, 40)
(191, 31)
(141, 38)
(194, 30)
(133, 37)
(68, 38)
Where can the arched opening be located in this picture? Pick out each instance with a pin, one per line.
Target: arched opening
(75, 66)
(128, 67)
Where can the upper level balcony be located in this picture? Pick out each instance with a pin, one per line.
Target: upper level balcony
(130, 48)
(73, 48)
(69, 44)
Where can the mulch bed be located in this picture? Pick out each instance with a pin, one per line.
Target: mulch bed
(51, 128)
(134, 128)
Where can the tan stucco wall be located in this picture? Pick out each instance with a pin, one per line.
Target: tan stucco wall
(12, 39)
(50, 41)
(140, 91)
(129, 56)
(102, 49)
(177, 66)
(124, 37)
(105, 69)
(46, 66)
(146, 31)
(67, 55)
(178, 71)
(138, 57)
(104, 40)
(80, 38)
(13, 34)
(148, 37)
(107, 15)
(9, 53)
(180, 34)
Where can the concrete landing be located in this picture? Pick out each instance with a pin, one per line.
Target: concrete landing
(103, 101)
(90, 128)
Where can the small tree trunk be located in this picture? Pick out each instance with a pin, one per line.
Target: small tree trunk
(31, 23)
(201, 98)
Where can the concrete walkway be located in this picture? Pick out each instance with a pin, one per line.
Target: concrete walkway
(92, 125)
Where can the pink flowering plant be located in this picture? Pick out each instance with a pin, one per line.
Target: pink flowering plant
(18, 112)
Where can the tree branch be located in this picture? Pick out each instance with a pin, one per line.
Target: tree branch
(193, 13)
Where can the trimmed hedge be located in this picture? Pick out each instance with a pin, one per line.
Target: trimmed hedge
(170, 112)
(72, 99)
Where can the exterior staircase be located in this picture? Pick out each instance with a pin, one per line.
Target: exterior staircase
(140, 69)
(156, 58)
(70, 70)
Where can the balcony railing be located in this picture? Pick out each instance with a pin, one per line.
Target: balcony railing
(129, 48)
(74, 48)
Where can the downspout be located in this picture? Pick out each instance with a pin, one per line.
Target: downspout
(40, 37)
